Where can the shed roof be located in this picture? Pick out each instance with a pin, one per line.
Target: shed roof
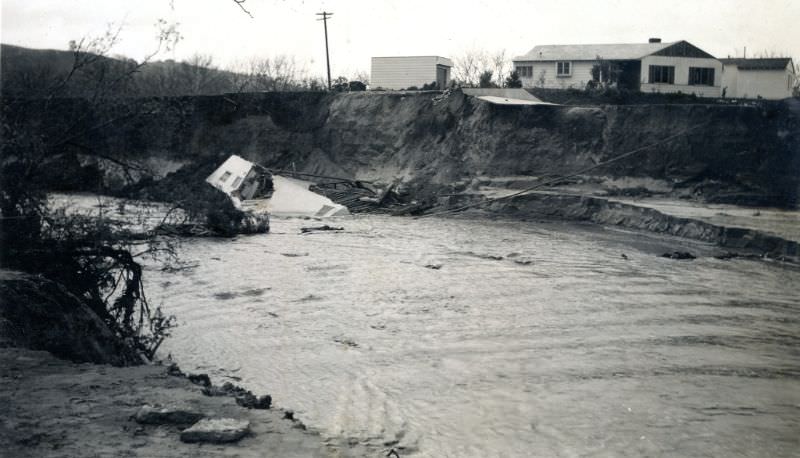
(773, 63)
(619, 51)
(439, 60)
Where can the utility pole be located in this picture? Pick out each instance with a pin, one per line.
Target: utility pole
(325, 16)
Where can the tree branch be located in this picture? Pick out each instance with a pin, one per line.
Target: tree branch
(241, 5)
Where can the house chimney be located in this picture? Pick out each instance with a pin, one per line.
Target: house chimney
(655, 40)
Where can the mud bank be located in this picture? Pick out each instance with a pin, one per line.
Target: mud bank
(40, 314)
(55, 408)
(736, 240)
(437, 144)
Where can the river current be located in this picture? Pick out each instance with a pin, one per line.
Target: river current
(474, 337)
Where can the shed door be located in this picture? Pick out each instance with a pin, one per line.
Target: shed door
(441, 76)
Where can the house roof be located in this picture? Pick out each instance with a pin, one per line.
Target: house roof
(774, 63)
(620, 51)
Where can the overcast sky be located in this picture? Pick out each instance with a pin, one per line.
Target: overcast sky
(360, 29)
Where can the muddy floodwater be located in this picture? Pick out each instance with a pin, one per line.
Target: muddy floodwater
(472, 337)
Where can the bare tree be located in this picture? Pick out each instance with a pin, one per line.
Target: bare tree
(241, 5)
(279, 73)
(201, 76)
(360, 75)
(501, 63)
(93, 259)
(542, 78)
(470, 65)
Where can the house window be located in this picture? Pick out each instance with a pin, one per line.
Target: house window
(525, 71)
(236, 182)
(563, 68)
(662, 74)
(225, 177)
(701, 76)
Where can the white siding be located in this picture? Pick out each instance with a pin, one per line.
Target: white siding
(233, 170)
(751, 84)
(682, 65)
(404, 72)
(545, 75)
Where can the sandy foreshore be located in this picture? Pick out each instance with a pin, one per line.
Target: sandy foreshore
(56, 408)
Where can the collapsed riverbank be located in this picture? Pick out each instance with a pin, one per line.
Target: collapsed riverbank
(437, 146)
(732, 240)
(432, 143)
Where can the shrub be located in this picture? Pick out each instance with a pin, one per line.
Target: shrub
(513, 80)
(485, 79)
(357, 86)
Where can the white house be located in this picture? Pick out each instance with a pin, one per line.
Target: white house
(772, 78)
(402, 72)
(649, 67)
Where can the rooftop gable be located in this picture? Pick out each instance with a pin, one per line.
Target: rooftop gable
(620, 51)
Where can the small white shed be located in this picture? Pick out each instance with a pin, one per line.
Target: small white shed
(402, 72)
(768, 78)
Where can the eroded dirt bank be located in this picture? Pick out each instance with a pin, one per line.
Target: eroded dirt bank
(737, 240)
(438, 144)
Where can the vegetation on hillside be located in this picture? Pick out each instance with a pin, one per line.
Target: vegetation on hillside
(34, 73)
(94, 259)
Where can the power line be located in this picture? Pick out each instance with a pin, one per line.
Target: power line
(325, 15)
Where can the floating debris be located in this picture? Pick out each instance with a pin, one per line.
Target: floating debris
(306, 230)
(683, 255)
(345, 341)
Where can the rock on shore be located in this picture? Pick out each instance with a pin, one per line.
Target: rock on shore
(216, 431)
(56, 408)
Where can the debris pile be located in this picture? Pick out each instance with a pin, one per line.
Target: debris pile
(359, 197)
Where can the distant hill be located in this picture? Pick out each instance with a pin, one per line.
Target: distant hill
(28, 58)
(27, 72)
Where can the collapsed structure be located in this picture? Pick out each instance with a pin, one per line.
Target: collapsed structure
(255, 189)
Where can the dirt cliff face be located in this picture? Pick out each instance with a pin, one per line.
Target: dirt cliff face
(40, 314)
(724, 152)
(750, 151)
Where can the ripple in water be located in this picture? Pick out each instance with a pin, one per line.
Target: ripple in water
(577, 350)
